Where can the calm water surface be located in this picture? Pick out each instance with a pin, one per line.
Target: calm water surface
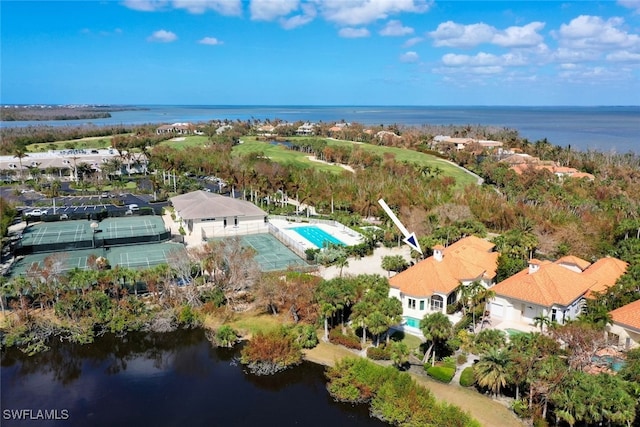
(599, 128)
(174, 379)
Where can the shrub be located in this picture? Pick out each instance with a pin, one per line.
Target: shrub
(271, 352)
(226, 336)
(449, 362)
(349, 341)
(305, 335)
(378, 353)
(462, 358)
(466, 377)
(441, 373)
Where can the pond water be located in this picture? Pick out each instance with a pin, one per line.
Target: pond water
(162, 380)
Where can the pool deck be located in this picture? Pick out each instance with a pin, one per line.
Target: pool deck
(342, 233)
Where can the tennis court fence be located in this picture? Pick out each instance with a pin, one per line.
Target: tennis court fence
(297, 247)
(22, 249)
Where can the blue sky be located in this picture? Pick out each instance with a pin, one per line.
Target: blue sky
(320, 52)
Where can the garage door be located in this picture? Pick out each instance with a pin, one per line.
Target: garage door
(497, 310)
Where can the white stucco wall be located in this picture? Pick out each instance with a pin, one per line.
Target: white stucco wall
(628, 338)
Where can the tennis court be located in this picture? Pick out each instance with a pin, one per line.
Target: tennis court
(117, 228)
(56, 232)
(143, 256)
(271, 254)
(138, 256)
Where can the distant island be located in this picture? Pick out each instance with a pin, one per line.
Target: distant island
(10, 113)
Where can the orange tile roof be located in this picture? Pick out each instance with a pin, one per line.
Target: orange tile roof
(469, 258)
(578, 262)
(627, 315)
(551, 284)
(555, 284)
(606, 271)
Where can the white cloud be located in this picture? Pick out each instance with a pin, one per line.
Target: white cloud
(412, 41)
(268, 10)
(480, 59)
(353, 33)
(409, 57)
(395, 28)
(223, 7)
(145, 5)
(308, 15)
(162, 36)
(360, 12)
(631, 4)
(624, 56)
(211, 41)
(451, 34)
(593, 32)
(525, 36)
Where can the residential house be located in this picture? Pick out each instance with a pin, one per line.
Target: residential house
(519, 163)
(434, 283)
(176, 128)
(555, 290)
(625, 327)
(306, 129)
(462, 143)
(212, 215)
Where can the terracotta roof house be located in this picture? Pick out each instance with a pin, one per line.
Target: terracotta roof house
(176, 128)
(552, 289)
(626, 325)
(213, 215)
(432, 284)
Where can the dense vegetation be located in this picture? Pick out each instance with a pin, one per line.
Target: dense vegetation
(393, 396)
(532, 214)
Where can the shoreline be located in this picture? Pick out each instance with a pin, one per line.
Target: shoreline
(487, 411)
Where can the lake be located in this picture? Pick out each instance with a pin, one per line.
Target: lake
(173, 379)
(599, 128)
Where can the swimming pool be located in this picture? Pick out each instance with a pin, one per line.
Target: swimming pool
(317, 236)
(412, 322)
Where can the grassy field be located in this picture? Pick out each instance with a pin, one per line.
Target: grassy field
(89, 142)
(282, 155)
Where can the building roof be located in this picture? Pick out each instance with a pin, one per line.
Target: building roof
(606, 271)
(556, 283)
(201, 204)
(578, 262)
(470, 258)
(627, 315)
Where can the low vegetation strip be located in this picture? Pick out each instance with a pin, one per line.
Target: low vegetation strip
(393, 396)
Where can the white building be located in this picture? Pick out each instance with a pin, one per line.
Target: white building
(212, 215)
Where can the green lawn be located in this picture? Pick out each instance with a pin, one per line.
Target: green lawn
(282, 155)
(89, 142)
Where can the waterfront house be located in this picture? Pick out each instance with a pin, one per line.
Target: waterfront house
(553, 290)
(625, 327)
(434, 283)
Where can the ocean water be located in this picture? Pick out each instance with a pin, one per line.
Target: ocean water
(608, 129)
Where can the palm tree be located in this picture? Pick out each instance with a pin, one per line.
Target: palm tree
(492, 371)
(435, 327)
(541, 321)
(20, 153)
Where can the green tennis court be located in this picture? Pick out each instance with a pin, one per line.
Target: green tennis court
(136, 256)
(116, 228)
(272, 255)
(143, 256)
(56, 232)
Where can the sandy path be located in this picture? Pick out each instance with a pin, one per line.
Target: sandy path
(487, 411)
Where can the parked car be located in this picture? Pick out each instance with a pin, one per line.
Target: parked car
(36, 212)
(133, 207)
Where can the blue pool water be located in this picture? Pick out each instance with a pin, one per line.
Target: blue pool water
(412, 322)
(316, 235)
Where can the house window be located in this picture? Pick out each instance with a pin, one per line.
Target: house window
(554, 315)
(421, 305)
(235, 221)
(411, 303)
(436, 303)
(224, 223)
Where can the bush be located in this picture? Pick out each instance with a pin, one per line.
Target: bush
(462, 358)
(271, 352)
(466, 377)
(305, 336)
(449, 362)
(378, 353)
(441, 373)
(349, 341)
